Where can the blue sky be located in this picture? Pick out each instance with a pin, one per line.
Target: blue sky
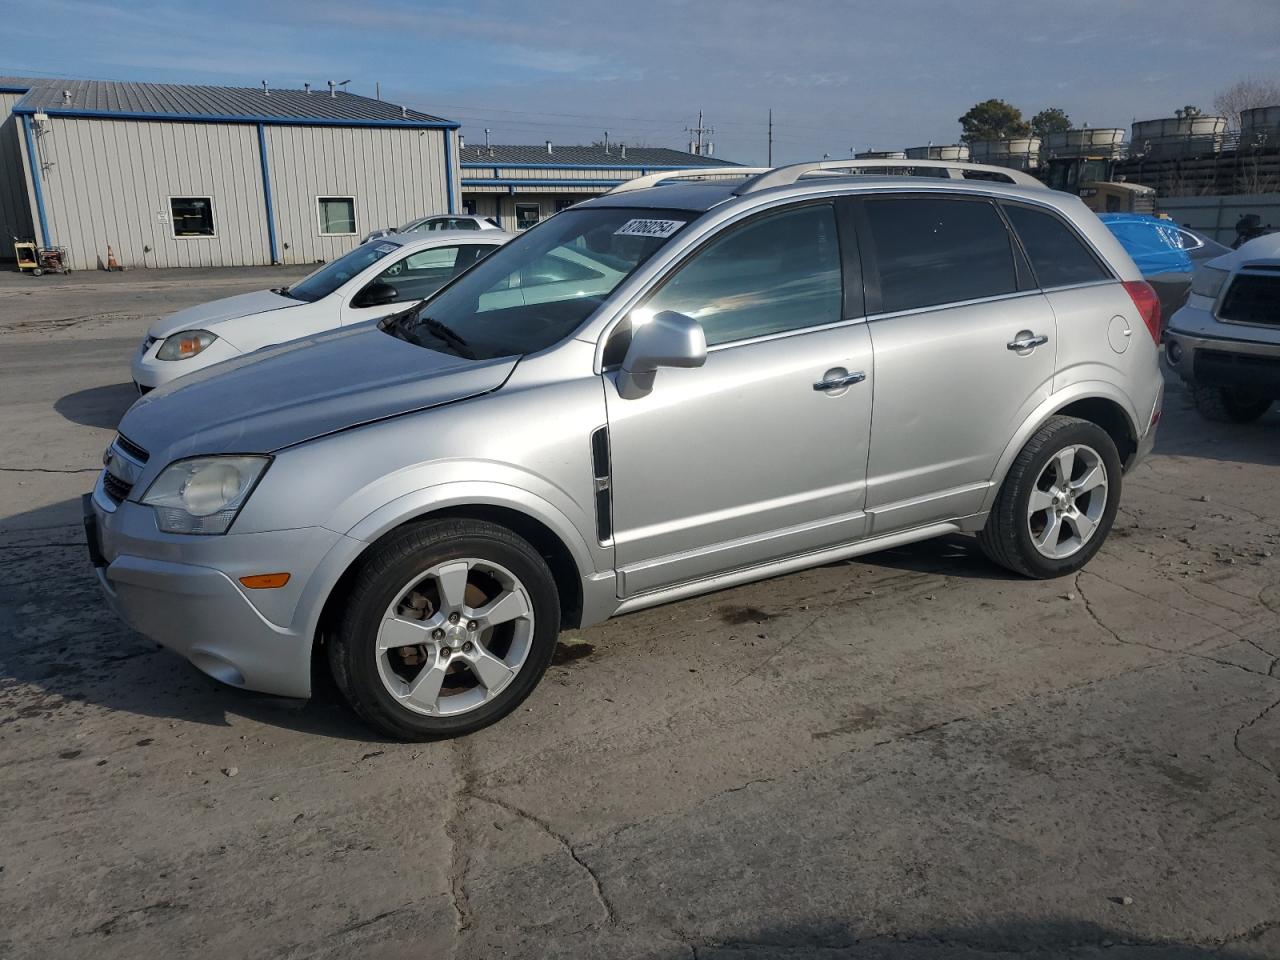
(838, 75)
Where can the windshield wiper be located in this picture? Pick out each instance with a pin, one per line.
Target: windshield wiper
(448, 335)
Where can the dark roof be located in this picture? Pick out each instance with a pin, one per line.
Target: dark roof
(192, 102)
(571, 156)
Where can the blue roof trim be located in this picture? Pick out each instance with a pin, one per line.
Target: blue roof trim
(217, 118)
(4, 89)
(491, 164)
(495, 182)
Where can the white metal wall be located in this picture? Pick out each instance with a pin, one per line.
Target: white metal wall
(15, 212)
(108, 182)
(394, 176)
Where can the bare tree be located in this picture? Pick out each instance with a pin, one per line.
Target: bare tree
(1245, 94)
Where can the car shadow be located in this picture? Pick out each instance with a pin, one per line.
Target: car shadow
(98, 406)
(952, 555)
(1056, 939)
(61, 644)
(1184, 433)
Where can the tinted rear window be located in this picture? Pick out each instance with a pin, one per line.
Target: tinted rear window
(1058, 256)
(934, 250)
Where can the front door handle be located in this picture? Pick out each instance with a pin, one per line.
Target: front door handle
(835, 383)
(1026, 340)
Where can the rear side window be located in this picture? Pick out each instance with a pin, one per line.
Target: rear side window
(1057, 255)
(936, 250)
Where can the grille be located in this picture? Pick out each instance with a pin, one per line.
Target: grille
(115, 488)
(1252, 298)
(131, 448)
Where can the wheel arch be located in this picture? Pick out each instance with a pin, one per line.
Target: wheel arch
(549, 531)
(1099, 403)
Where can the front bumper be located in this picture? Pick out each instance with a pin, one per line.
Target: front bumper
(183, 592)
(1201, 350)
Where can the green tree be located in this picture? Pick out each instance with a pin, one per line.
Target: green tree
(1050, 120)
(993, 120)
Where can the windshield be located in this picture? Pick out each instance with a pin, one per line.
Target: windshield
(540, 287)
(331, 276)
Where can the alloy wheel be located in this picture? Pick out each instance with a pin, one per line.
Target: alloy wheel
(455, 637)
(1067, 502)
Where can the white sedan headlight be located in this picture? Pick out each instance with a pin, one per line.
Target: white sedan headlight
(184, 345)
(1208, 281)
(204, 494)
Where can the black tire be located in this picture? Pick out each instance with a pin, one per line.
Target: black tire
(1006, 538)
(1228, 404)
(37, 272)
(395, 561)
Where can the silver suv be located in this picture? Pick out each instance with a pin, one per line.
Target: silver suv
(674, 388)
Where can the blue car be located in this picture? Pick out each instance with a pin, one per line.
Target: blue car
(1165, 253)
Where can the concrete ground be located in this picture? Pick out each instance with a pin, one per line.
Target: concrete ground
(911, 755)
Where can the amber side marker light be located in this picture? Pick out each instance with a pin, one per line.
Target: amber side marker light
(265, 581)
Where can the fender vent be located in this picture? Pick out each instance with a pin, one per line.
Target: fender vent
(600, 471)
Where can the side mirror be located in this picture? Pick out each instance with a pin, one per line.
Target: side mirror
(376, 294)
(669, 339)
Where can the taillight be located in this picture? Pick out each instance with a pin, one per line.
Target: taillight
(1148, 304)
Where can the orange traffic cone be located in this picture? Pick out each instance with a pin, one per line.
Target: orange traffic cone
(112, 262)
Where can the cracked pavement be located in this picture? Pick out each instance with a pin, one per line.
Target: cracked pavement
(912, 755)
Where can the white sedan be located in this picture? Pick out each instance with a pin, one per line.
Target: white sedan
(450, 221)
(372, 281)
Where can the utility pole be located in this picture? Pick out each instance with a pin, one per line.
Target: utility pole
(377, 89)
(770, 163)
(695, 145)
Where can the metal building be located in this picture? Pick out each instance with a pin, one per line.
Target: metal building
(174, 175)
(520, 185)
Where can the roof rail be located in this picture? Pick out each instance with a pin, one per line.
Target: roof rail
(653, 179)
(784, 176)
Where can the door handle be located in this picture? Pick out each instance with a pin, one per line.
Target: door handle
(1027, 341)
(835, 383)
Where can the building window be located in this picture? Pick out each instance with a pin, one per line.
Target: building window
(527, 214)
(192, 216)
(337, 216)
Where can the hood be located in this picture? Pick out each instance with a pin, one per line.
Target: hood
(307, 388)
(1264, 249)
(207, 315)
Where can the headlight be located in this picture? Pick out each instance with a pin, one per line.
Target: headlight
(1208, 281)
(184, 345)
(203, 494)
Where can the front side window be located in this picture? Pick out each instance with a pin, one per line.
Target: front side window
(936, 250)
(332, 275)
(527, 214)
(192, 216)
(539, 288)
(421, 274)
(337, 216)
(779, 272)
(1057, 255)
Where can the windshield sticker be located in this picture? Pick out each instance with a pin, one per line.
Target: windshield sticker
(385, 248)
(649, 228)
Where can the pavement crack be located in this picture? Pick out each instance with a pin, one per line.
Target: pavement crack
(1235, 742)
(1102, 625)
(610, 915)
(456, 831)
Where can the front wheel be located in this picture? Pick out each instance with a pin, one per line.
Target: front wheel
(1229, 404)
(1058, 501)
(449, 626)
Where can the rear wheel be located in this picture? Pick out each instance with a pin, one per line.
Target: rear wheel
(449, 626)
(1229, 404)
(1058, 501)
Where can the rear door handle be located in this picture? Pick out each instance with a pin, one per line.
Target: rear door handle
(1027, 341)
(835, 383)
